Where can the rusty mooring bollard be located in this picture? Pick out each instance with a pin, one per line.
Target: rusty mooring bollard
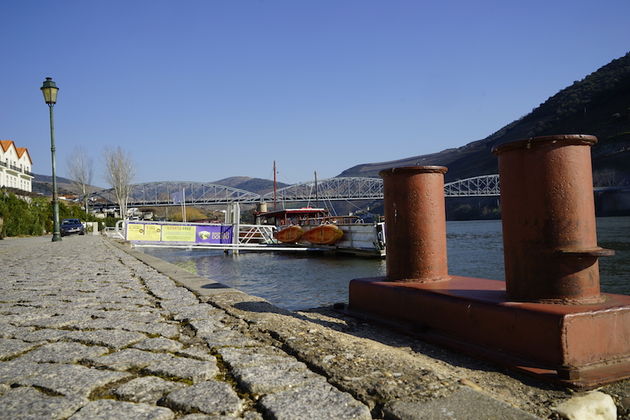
(415, 221)
(548, 213)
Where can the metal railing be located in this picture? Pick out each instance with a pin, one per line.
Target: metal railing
(249, 234)
(16, 168)
(117, 232)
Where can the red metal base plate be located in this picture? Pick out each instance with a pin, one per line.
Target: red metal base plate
(583, 346)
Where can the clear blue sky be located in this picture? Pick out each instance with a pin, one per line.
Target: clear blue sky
(199, 90)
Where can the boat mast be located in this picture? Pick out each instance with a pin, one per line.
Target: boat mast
(275, 186)
(316, 195)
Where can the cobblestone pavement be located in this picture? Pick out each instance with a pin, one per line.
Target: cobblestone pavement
(92, 329)
(89, 332)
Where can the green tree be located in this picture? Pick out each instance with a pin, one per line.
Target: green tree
(33, 216)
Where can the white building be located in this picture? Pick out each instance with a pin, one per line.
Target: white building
(15, 166)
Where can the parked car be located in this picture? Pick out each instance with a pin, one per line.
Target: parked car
(70, 226)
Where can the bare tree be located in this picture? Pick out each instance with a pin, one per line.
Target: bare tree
(81, 170)
(119, 172)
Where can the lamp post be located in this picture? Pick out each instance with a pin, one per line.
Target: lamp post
(50, 89)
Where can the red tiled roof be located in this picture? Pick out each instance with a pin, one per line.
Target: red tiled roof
(21, 151)
(6, 144)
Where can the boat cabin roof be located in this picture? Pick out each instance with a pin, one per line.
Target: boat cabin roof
(304, 211)
(286, 216)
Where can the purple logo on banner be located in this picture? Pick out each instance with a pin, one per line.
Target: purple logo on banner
(214, 234)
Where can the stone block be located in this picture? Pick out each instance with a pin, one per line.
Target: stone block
(227, 338)
(206, 326)
(147, 389)
(183, 368)
(253, 356)
(464, 404)
(46, 334)
(159, 344)
(114, 339)
(110, 409)
(315, 402)
(196, 353)
(70, 379)
(28, 403)
(10, 347)
(130, 358)
(210, 397)
(265, 379)
(63, 353)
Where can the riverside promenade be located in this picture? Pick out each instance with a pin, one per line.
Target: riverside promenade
(91, 329)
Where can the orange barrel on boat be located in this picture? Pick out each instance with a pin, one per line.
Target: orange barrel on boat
(326, 234)
(289, 234)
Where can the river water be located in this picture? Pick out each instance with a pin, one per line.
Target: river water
(300, 281)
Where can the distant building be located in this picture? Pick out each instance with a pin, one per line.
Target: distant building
(15, 166)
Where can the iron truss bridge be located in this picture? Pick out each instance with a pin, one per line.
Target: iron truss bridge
(155, 194)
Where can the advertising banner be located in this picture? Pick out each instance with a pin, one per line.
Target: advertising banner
(178, 233)
(172, 233)
(215, 234)
(143, 232)
(152, 232)
(135, 232)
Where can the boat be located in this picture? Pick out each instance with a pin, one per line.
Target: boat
(356, 237)
(289, 235)
(286, 217)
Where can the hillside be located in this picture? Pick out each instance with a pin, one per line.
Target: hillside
(598, 105)
(42, 184)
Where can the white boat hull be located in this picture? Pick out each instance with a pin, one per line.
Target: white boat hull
(365, 239)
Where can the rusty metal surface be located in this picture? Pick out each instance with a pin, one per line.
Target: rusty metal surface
(415, 217)
(576, 139)
(580, 345)
(548, 216)
(551, 254)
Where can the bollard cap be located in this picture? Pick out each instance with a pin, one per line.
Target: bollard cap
(562, 139)
(412, 170)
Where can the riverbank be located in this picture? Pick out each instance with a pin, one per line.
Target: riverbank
(95, 326)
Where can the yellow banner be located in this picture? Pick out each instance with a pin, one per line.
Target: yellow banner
(135, 232)
(141, 232)
(152, 233)
(176, 233)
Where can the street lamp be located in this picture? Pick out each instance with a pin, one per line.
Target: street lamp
(50, 89)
